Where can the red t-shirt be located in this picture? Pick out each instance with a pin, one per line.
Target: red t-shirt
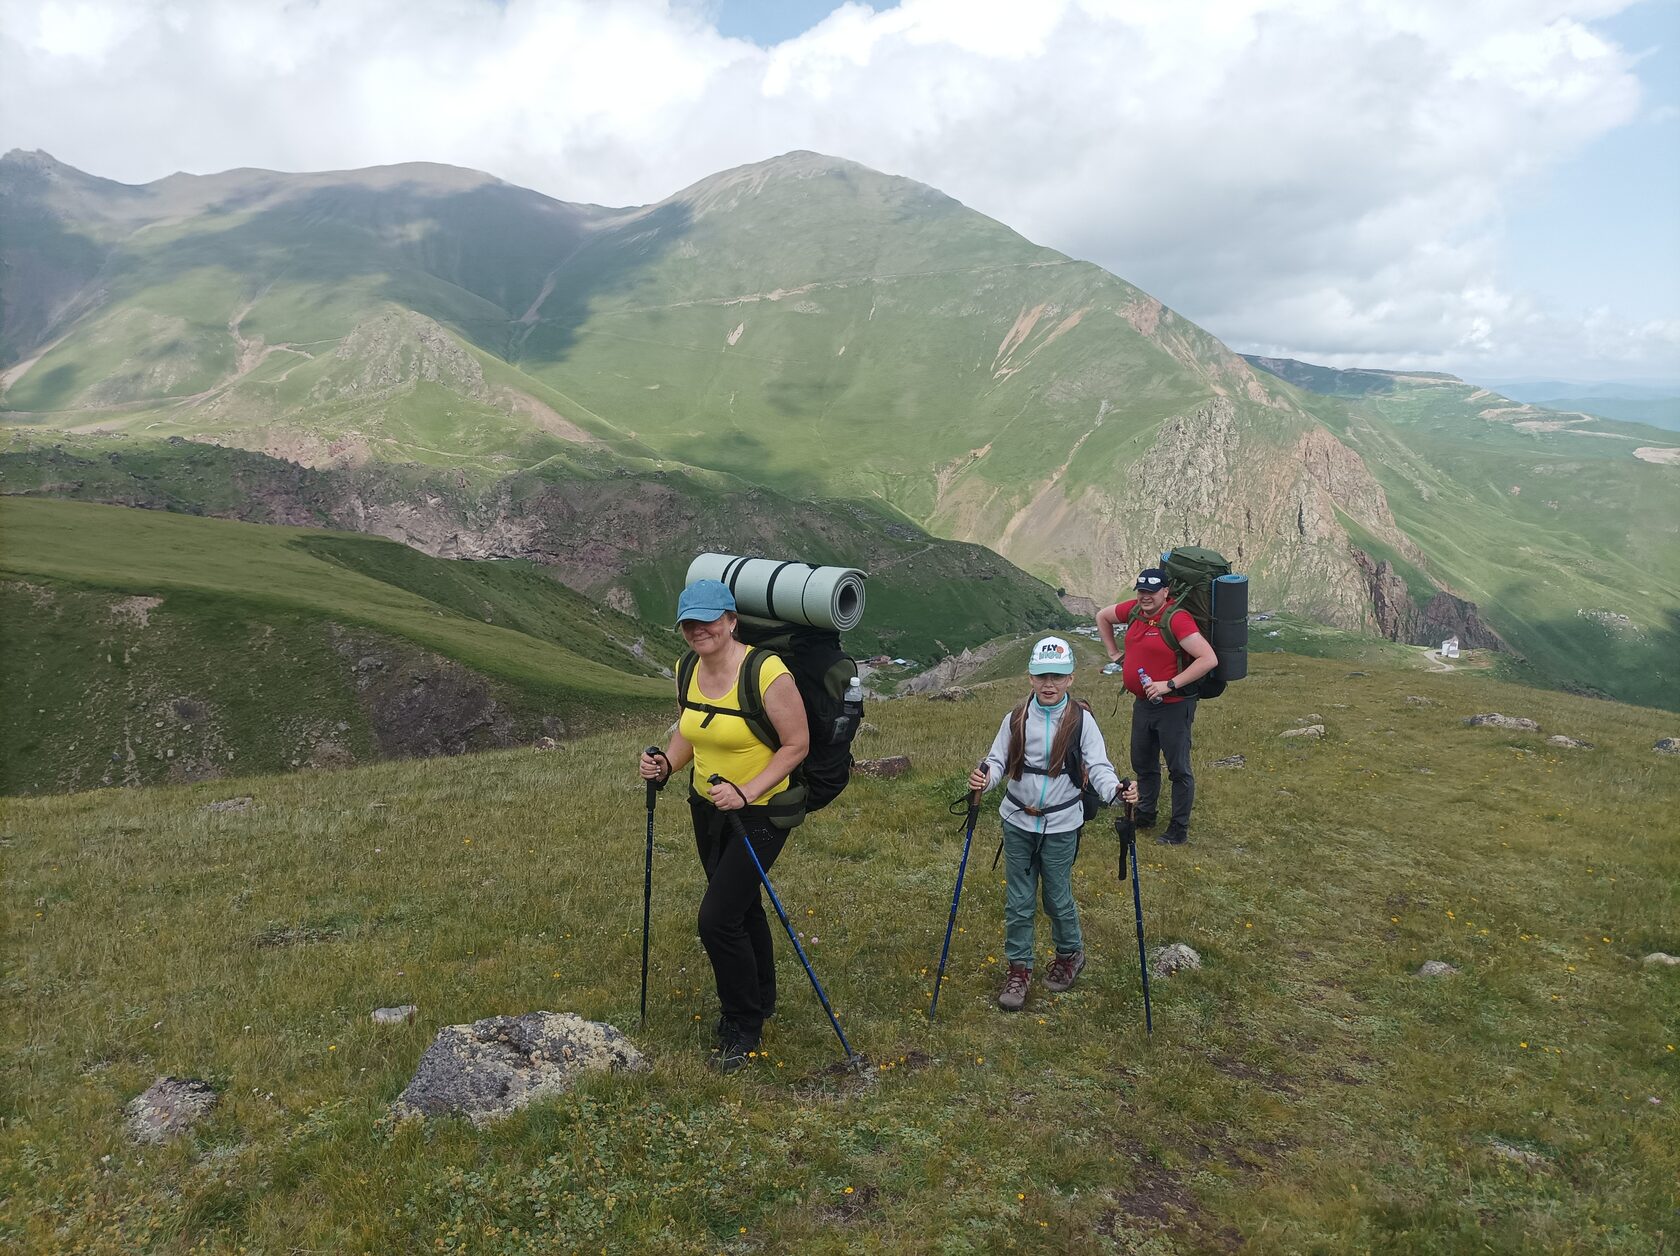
(1144, 646)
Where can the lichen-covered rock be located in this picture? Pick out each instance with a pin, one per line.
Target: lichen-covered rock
(1164, 961)
(1659, 957)
(1311, 730)
(887, 768)
(954, 693)
(1568, 743)
(1493, 719)
(403, 1015)
(1437, 968)
(503, 1063)
(168, 1107)
(1667, 745)
(1232, 761)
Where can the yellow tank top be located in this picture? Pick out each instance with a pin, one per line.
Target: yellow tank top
(726, 746)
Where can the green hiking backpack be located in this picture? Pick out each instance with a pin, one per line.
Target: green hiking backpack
(1192, 575)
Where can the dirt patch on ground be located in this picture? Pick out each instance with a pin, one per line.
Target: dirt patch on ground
(135, 610)
(1668, 455)
(1156, 1198)
(545, 417)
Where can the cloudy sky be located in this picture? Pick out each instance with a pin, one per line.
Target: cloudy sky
(1482, 186)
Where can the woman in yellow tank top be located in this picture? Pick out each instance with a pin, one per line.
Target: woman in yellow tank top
(733, 926)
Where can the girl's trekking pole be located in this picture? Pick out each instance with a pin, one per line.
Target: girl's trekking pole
(1124, 826)
(956, 895)
(852, 1057)
(653, 788)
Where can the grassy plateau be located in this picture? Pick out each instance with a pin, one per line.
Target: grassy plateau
(1303, 1092)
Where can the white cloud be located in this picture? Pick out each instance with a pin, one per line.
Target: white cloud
(1322, 175)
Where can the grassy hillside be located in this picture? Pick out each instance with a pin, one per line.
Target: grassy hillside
(619, 533)
(142, 646)
(1547, 521)
(1303, 1092)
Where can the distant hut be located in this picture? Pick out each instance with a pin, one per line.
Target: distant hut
(1449, 648)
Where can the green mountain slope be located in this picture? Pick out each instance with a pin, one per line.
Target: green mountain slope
(1302, 1092)
(1548, 517)
(815, 328)
(143, 646)
(805, 323)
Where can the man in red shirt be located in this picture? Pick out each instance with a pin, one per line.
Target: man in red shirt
(1162, 715)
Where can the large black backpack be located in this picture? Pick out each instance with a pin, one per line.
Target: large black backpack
(1191, 572)
(824, 674)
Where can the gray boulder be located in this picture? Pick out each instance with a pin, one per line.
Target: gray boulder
(1437, 968)
(1493, 719)
(170, 1106)
(1659, 957)
(1311, 730)
(403, 1015)
(503, 1063)
(1667, 745)
(887, 768)
(1234, 761)
(1164, 961)
(1568, 743)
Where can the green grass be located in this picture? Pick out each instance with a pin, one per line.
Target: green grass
(1303, 1092)
(248, 660)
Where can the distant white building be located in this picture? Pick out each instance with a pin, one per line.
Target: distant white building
(1449, 648)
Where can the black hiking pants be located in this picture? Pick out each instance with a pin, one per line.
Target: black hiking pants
(1164, 732)
(733, 927)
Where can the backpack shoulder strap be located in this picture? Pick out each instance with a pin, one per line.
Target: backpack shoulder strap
(749, 690)
(1165, 626)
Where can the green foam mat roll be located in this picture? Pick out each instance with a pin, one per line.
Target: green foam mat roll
(790, 591)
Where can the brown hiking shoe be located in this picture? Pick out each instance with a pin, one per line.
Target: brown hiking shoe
(1063, 970)
(1014, 995)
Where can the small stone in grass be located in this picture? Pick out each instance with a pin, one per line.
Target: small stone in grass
(1568, 743)
(1659, 957)
(403, 1015)
(1311, 730)
(1234, 761)
(1667, 745)
(1164, 961)
(1436, 968)
(169, 1106)
(1493, 719)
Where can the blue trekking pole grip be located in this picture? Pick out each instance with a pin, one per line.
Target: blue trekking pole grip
(956, 894)
(852, 1057)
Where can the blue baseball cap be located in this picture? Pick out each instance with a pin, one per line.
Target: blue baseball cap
(1151, 579)
(705, 601)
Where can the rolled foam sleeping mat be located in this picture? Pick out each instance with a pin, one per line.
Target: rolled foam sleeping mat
(1229, 628)
(792, 592)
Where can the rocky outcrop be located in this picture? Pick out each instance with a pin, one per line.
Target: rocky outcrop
(1399, 619)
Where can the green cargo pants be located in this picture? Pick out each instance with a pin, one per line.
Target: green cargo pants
(1039, 861)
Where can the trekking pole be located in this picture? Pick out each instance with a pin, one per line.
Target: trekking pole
(653, 788)
(956, 894)
(852, 1057)
(1127, 831)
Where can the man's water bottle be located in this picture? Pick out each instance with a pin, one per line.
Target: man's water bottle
(851, 713)
(1143, 677)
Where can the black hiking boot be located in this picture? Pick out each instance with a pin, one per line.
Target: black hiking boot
(1172, 838)
(736, 1049)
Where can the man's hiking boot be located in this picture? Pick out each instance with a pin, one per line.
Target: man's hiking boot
(1170, 838)
(1063, 970)
(736, 1047)
(1014, 994)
